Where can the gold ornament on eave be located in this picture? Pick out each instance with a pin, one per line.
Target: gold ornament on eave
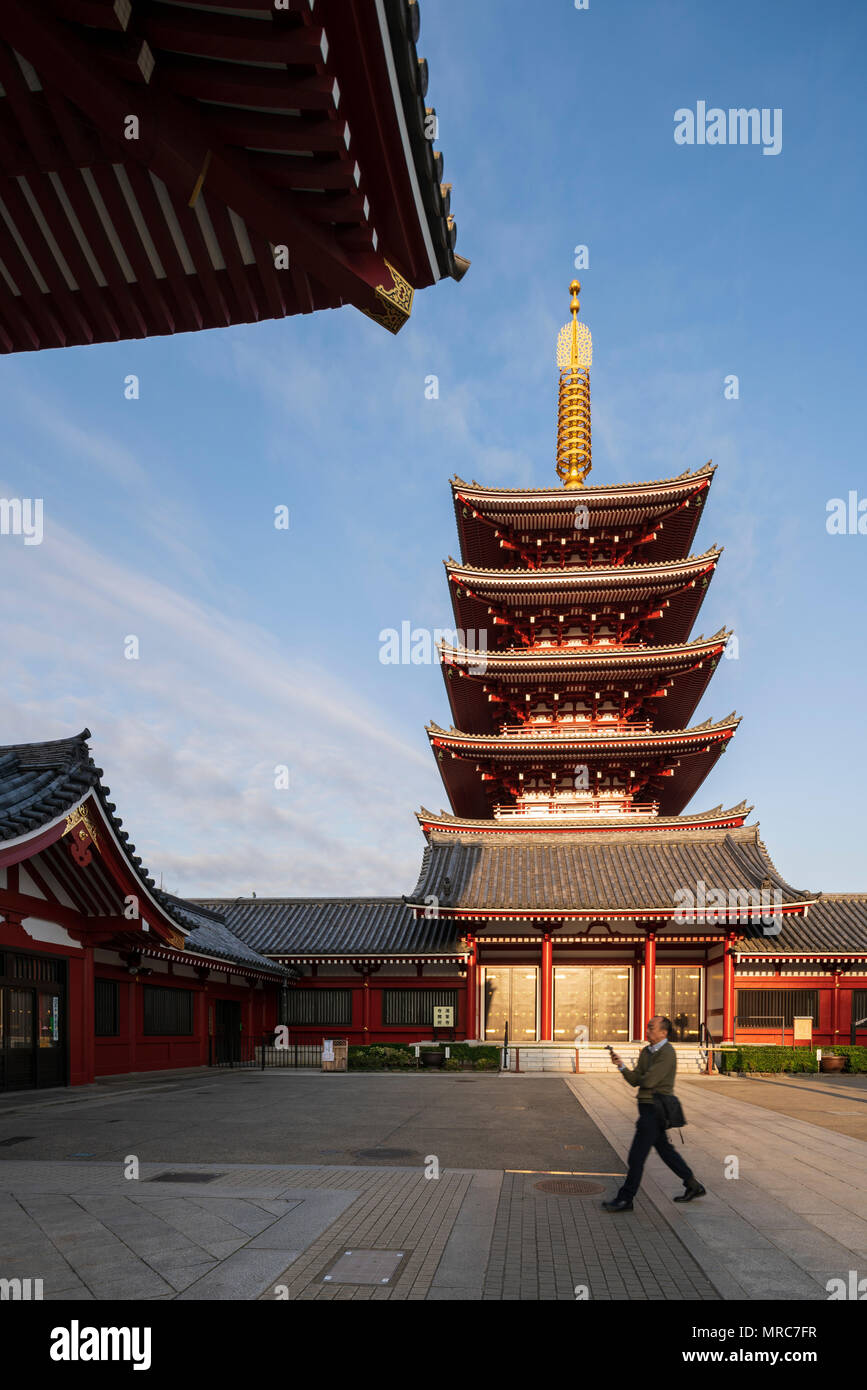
(574, 359)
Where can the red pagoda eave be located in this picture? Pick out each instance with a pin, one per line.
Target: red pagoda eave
(662, 517)
(604, 744)
(640, 576)
(362, 958)
(523, 497)
(742, 957)
(646, 914)
(468, 826)
(667, 690)
(577, 657)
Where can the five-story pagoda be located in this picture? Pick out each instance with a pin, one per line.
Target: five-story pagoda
(567, 857)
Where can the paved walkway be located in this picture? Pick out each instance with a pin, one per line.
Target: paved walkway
(795, 1217)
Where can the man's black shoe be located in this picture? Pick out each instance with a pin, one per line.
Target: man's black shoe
(619, 1205)
(693, 1189)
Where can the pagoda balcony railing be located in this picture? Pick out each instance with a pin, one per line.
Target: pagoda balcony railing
(588, 806)
(571, 726)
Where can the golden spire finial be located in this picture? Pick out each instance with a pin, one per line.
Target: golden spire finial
(574, 358)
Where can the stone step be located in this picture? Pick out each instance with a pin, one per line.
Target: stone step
(540, 1057)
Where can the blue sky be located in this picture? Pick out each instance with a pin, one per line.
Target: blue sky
(261, 647)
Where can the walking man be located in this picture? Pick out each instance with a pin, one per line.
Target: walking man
(654, 1075)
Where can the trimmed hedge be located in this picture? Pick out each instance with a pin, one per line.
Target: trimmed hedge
(786, 1059)
(378, 1057)
(400, 1056)
(465, 1052)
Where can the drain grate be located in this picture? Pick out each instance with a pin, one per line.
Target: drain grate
(185, 1177)
(365, 1267)
(386, 1153)
(574, 1146)
(569, 1187)
(16, 1139)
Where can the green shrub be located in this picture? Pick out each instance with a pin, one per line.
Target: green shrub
(747, 1059)
(856, 1056)
(379, 1057)
(453, 1064)
(468, 1053)
(485, 1064)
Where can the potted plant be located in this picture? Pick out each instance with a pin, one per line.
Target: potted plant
(831, 1060)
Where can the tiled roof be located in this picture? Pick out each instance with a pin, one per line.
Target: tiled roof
(39, 782)
(567, 737)
(527, 825)
(614, 873)
(590, 493)
(210, 935)
(335, 926)
(836, 923)
(595, 578)
(583, 661)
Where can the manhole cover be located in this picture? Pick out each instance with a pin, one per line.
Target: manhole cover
(569, 1187)
(386, 1153)
(365, 1267)
(16, 1139)
(185, 1177)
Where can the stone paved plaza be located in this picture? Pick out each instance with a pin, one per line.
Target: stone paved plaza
(257, 1186)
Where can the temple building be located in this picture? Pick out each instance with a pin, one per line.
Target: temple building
(168, 167)
(568, 894)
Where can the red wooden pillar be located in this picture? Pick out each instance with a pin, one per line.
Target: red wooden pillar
(649, 980)
(637, 1000)
(835, 1007)
(365, 1005)
(202, 1022)
(471, 986)
(88, 1019)
(729, 989)
(546, 1033)
(132, 1022)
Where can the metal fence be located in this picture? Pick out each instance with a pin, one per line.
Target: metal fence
(259, 1051)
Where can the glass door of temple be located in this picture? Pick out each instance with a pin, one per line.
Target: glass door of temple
(678, 995)
(32, 1021)
(591, 1001)
(510, 997)
(31, 1043)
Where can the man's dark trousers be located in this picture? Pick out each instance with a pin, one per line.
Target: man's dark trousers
(649, 1134)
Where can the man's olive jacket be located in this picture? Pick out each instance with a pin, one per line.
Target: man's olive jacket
(653, 1073)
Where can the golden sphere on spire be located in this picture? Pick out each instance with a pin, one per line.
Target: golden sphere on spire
(575, 287)
(573, 290)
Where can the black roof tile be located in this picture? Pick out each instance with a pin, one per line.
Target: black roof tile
(336, 926)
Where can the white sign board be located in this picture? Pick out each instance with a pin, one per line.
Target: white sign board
(443, 1016)
(328, 1049)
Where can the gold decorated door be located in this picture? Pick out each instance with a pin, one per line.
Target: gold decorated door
(594, 998)
(510, 997)
(678, 996)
